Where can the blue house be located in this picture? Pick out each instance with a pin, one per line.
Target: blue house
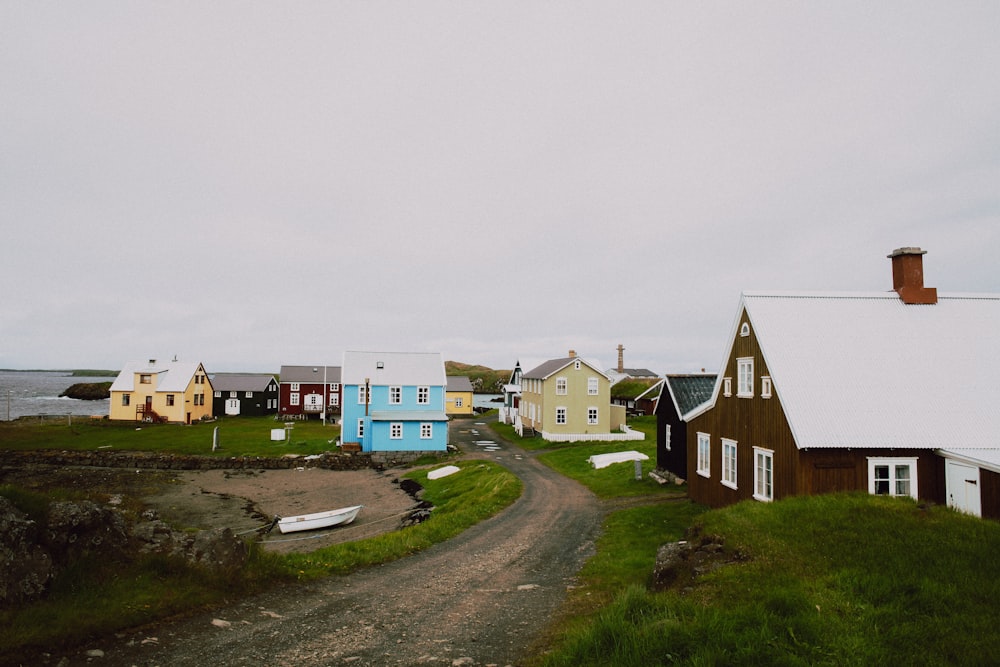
(394, 401)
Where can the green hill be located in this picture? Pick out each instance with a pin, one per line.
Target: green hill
(484, 380)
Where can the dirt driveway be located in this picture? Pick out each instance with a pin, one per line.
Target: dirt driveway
(481, 598)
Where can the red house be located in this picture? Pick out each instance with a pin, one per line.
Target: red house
(309, 392)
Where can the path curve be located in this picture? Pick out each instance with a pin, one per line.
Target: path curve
(480, 598)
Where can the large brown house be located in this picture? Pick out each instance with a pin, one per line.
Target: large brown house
(886, 392)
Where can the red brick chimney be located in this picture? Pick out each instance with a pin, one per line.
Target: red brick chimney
(908, 276)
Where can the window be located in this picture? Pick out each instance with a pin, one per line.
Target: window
(334, 399)
(765, 386)
(729, 463)
(170, 400)
(423, 395)
(294, 386)
(145, 378)
(666, 436)
(293, 399)
(591, 415)
(744, 377)
(426, 430)
(335, 386)
(561, 385)
(459, 402)
(560, 415)
(126, 399)
(892, 477)
(218, 394)
(727, 387)
(395, 395)
(745, 329)
(592, 386)
(763, 474)
(576, 364)
(232, 394)
(362, 392)
(396, 430)
(249, 394)
(704, 455)
(361, 427)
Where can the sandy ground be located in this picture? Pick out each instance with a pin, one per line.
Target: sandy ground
(248, 499)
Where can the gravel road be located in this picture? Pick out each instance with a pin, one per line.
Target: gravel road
(481, 598)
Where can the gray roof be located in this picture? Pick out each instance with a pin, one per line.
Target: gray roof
(867, 370)
(459, 383)
(242, 381)
(552, 366)
(312, 374)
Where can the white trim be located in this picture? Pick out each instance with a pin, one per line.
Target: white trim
(767, 496)
(892, 464)
(744, 377)
(706, 469)
(730, 470)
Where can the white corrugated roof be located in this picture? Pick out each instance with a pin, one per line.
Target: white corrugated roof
(172, 376)
(867, 370)
(397, 368)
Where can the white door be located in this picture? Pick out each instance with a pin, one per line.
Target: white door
(962, 487)
(232, 406)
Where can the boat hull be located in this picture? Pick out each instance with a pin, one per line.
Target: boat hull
(339, 517)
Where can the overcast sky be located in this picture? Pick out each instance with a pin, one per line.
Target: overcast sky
(252, 184)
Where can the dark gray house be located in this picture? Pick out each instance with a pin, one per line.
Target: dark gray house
(244, 394)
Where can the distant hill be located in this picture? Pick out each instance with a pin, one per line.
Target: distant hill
(484, 380)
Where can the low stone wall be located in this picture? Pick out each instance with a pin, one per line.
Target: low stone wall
(155, 461)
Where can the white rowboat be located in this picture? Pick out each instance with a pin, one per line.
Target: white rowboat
(341, 517)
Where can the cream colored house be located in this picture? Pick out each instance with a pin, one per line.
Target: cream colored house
(569, 399)
(161, 391)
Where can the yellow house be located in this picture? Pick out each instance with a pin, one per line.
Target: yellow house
(458, 396)
(161, 391)
(566, 399)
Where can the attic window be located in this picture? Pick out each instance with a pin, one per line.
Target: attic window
(727, 387)
(379, 364)
(745, 329)
(765, 386)
(145, 379)
(576, 364)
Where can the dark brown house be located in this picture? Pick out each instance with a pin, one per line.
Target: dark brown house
(679, 395)
(886, 392)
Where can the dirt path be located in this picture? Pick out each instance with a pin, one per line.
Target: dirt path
(478, 599)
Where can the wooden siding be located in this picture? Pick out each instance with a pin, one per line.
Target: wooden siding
(989, 484)
(675, 459)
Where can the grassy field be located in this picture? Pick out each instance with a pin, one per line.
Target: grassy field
(829, 580)
(238, 436)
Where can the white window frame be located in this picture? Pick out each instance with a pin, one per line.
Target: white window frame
(423, 395)
(765, 386)
(395, 395)
(763, 474)
(395, 430)
(593, 414)
(426, 430)
(593, 387)
(892, 465)
(335, 399)
(727, 387)
(218, 393)
(459, 402)
(232, 394)
(704, 462)
(562, 386)
(730, 463)
(248, 394)
(744, 377)
(294, 386)
(362, 394)
(561, 415)
(744, 329)
(361, 427)
(293, 398)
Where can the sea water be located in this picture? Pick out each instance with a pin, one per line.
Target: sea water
(30, 393)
